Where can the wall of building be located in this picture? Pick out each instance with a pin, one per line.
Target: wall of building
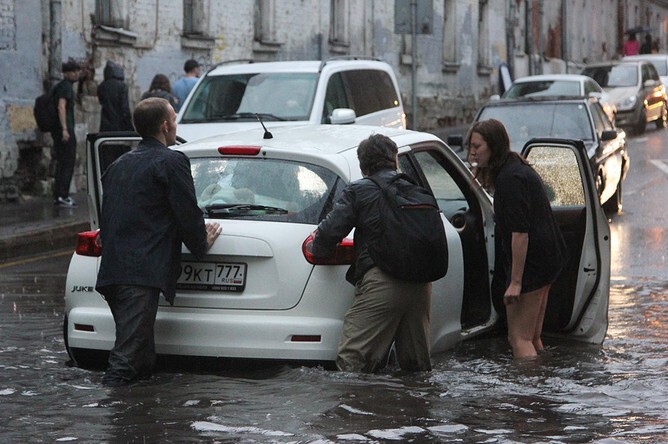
(457, 63)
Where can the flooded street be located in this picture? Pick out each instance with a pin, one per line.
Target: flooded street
(615, 393)
(476, 393)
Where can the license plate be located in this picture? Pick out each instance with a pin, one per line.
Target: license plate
(218, 276)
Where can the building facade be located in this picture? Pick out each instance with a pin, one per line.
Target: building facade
(446, 68)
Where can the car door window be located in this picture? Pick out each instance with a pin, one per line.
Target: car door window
(450, 198)
(370, 90)
(335, 97)
(601, 121)
(561, 175)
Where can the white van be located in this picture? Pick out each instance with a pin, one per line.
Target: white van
(232, 96)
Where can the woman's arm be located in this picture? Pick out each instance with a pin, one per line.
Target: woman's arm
(519, 244)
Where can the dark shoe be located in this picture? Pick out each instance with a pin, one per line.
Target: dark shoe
(66, 202)
(115, 382)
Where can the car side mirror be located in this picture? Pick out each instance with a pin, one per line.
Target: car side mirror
(608, 135)
(343, 116)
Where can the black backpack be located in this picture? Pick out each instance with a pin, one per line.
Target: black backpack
(46, 111)
(410, 243)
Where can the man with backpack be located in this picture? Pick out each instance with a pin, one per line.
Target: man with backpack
(64, 140)
(392, 303)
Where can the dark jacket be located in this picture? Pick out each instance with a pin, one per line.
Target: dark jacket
(357, 207)
(149, 209)
(162, 94)
(113, 96)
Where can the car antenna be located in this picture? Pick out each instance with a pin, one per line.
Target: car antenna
(267, 134)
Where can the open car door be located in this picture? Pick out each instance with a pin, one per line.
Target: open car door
(103, 149)
(577, 305)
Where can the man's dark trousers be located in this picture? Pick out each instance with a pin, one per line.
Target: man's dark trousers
(66, 154)
(134, 309)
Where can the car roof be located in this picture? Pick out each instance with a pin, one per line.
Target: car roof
(301, 66)
(311, 139)
(614, 62)
(543, 77)
(539, 100)
(646, 57)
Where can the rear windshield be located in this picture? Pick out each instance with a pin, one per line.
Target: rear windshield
(275, 96)
(524, 122)
(544, 88)
(264, 189)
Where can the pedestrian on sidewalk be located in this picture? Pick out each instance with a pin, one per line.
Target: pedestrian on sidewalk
(149, 210)
(64, 138)
(161, 87)
(113, 96)
(185, 84)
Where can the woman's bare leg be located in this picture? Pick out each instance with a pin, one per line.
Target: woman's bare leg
(537, 341)
(522, 321)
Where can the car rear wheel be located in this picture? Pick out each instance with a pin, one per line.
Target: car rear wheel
(663, 117)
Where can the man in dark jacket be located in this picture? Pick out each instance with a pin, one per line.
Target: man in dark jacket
(113, 96)
(386, 310)
(149, 209)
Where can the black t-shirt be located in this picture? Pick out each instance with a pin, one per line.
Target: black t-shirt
(521, 206)
(64, 90)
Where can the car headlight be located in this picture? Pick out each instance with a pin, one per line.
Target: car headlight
(627, 103)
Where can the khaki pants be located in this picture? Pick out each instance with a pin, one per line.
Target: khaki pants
(386, 310)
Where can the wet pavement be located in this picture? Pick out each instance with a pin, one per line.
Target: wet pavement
(33, 225)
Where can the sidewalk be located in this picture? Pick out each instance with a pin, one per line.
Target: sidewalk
(33, 225)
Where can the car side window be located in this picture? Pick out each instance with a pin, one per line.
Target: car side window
(370, 90)
(645, 73)
(592, 87)
(561, 175)
(335, 97)
(601, 121)
(451, 200)
(652, 72)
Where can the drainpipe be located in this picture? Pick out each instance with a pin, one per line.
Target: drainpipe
(529, 35)
(55, 41)
(564, 32)
(510, 38)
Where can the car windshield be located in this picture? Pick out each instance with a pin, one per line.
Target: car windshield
(544, 88)
(526, 121)
(264, 189)
(275, 96)
(613, 75)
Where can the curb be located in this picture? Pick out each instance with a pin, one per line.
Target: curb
(36, 242)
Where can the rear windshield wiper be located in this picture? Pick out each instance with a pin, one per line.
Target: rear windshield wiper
(223, 210)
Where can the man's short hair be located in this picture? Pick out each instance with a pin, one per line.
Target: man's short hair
(71, 66)
(376, 153)
(190, 65)
(149, 115)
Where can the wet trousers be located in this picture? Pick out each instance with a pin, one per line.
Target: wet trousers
(134, 309)
(385, 311)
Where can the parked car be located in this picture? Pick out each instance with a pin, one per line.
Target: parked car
(260, 294)
(637, 91)
(569, 85)
(571, 118)
(660, 62)
(232, 96)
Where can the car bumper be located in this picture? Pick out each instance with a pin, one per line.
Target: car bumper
(627, 118)
(215, 334)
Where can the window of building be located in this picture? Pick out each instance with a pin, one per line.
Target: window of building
(338, 24)
(450, 59)
(193, 17)
(109, 13)
(264, 22)
(111, 24)
(484, 64)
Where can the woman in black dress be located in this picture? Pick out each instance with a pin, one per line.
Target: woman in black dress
(532, 247)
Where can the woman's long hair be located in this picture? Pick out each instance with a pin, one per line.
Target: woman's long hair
(495, 135)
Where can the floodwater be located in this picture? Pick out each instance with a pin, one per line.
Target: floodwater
(615, 393)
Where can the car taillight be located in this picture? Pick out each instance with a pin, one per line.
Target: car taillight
(239, 150)
(344, 254)
(89, 244)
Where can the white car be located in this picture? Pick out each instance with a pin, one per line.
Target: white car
(233, 95)
(660, 62)
(569, 85)
(260, 294)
